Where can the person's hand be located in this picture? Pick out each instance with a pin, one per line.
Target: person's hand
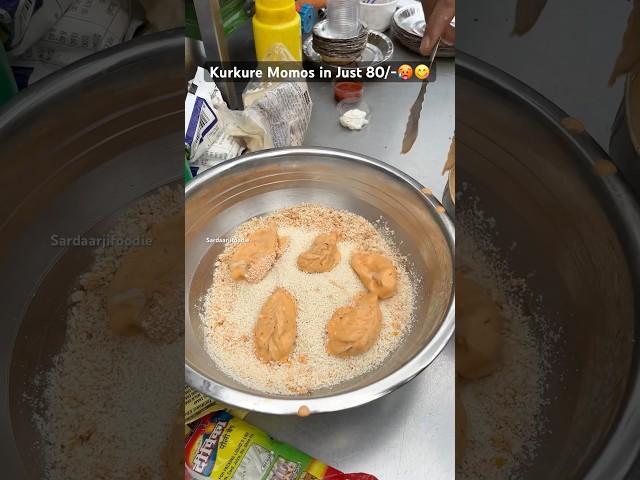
(439, 14)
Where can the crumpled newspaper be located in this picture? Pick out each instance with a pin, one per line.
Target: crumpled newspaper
(43, 36)
(276, 114)
(24, 22)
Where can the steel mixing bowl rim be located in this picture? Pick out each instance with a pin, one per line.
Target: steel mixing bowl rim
(360, 396)
(623, 443)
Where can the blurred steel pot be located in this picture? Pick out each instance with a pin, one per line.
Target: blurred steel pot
(577, 232)
(77, 147)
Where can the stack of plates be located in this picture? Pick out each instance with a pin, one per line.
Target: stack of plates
(379, 49)
(408, 26)
(338, 51)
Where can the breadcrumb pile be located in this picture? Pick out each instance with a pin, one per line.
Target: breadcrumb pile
(231, 308)
(505, 410)
(109, 402)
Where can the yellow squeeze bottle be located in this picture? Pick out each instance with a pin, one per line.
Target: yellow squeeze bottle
(276, 21)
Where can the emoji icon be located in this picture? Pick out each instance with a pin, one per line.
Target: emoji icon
(422, 71)
(405, 71)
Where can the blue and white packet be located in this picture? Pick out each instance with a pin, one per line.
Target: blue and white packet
(206, 141)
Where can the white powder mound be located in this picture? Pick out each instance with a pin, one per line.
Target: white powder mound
(505, 420)
(232, 309)
(110, 401)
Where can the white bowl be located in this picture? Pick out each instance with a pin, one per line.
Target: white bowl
(377, 16)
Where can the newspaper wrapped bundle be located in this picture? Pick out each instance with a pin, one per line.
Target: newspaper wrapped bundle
(276, 114)
(42, 37)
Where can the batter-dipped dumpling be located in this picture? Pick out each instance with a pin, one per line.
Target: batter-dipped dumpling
(323, 255)
(478, 330)
(275, 331)
(253, 259)
(376, 272)
(353, 330)
(144, 296)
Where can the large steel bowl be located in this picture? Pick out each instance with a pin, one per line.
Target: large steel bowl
(228, 195)
(578, 242)
(77, 149)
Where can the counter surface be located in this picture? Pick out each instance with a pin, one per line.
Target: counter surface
(409, 434)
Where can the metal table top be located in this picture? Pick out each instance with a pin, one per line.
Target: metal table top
(409, 434)
(382, 137)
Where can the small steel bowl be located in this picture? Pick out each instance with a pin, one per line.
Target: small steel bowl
(233, 192)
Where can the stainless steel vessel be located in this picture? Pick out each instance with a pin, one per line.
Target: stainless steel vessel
(77, 148)
(578, 239)
(235, 191)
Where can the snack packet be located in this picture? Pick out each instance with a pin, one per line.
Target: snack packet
(276, 114)
(206, 137)
(222, 447)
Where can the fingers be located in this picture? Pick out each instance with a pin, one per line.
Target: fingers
(438, 24)
(449, 35)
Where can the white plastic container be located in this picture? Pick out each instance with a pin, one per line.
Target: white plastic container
(377, 16)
